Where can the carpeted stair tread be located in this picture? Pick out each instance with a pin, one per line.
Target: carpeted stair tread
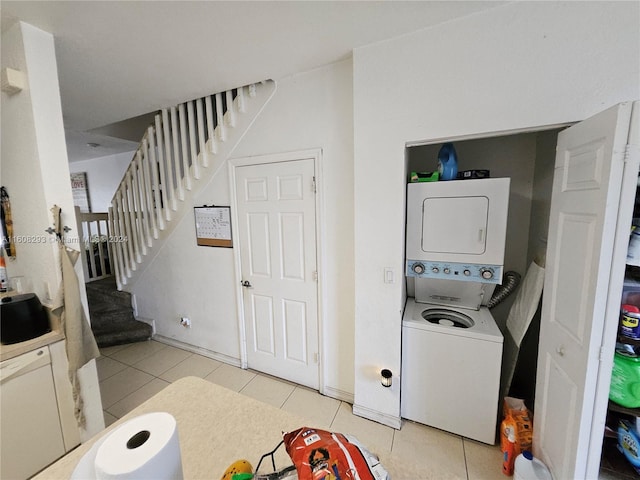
(112, 319)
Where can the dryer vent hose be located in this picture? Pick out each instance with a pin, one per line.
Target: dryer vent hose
(509, 284)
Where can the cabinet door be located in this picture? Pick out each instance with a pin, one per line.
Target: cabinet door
(30, 428)
(583, 226)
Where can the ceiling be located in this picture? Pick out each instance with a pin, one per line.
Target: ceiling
(122, 59)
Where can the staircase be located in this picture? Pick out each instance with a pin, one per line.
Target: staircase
(112, 320)
(178, 156)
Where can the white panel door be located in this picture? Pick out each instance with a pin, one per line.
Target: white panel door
(277, 228)
(584, 209)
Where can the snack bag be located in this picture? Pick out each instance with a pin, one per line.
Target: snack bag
(516, 432)
(321, 455)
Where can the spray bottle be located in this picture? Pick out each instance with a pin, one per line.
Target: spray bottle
(4, 278)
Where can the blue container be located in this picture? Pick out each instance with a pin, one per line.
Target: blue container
(448, 162)
(629, 443)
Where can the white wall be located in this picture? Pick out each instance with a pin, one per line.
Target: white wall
(103, 177)
(309, 110)
(36, 174)
(517, 66)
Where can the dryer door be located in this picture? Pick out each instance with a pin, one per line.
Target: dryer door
(455, 225)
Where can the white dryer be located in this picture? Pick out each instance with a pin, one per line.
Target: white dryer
(451, 345)
(451, 360)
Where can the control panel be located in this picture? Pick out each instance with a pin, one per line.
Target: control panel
(454, 271)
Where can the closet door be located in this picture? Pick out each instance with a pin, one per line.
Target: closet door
(584, 227)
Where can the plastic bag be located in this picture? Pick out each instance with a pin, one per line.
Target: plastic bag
(322, 455)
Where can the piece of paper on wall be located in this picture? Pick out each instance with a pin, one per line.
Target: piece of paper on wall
(80, 190)
(213, 226)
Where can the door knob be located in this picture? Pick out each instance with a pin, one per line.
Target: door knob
(560, 350)
(247, 284)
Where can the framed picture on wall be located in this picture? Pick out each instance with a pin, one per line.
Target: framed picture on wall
(80, 191)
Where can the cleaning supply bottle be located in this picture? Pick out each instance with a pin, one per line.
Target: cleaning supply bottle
(527, 467)
(4, 278)
(508, 446)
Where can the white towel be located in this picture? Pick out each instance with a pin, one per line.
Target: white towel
(526, 303)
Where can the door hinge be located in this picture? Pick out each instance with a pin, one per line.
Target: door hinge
(313, 184)
(316, 357)
(314, 275)
(631, 153)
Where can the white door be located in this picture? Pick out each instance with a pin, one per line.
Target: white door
(582, 229)
(277, 229)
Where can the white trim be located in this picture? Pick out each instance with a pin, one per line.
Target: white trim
(338, 394)
(232, 164)
(478, 136)
(199, 350)
(385, 419)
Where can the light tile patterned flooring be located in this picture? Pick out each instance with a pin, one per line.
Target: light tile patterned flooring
(130, 374)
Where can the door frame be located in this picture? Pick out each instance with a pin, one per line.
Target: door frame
(232, 165)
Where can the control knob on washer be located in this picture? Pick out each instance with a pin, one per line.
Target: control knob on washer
(486, 273)
(418, 268)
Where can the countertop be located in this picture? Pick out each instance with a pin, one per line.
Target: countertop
(15, 349)
(216, 427)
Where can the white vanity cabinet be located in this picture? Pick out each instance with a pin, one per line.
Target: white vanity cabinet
(37, 425)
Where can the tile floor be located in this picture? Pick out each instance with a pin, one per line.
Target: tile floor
(130, 374)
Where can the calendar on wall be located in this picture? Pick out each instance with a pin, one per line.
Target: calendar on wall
(213, 226)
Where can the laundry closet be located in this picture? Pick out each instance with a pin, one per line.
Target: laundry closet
(528, 159)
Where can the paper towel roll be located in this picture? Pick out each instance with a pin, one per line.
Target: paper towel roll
(144, 448)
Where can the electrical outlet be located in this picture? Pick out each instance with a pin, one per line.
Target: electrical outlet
(185, 321)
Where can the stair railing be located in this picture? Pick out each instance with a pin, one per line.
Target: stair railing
(94, 242)
(171, 157)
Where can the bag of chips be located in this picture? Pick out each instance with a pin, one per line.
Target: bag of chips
(322, 455)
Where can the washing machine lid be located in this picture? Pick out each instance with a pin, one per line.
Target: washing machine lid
(447, 317)
(478, 324)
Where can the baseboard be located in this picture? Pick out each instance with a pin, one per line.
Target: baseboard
(148, 321)
(199, 350)
(385, 419)
(338, 394)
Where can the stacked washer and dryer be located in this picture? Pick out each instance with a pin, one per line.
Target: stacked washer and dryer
(451, 345)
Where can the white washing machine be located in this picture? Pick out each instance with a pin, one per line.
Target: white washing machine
(451, 345)
(451, 359)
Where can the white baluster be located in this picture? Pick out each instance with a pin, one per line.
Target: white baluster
(176, 153)
(213, 144)
(171, 172)
(133, 235)
(192, 141)
(142, 195)
(126, 217)
(186, 171)
(242, 107)
(202, 150)
(222, 132)
(148, 188)
(121, 233)
(162, 166)
(231, 114)
(155, 180)
(113, 253)
(103, 269)
(252, 90)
